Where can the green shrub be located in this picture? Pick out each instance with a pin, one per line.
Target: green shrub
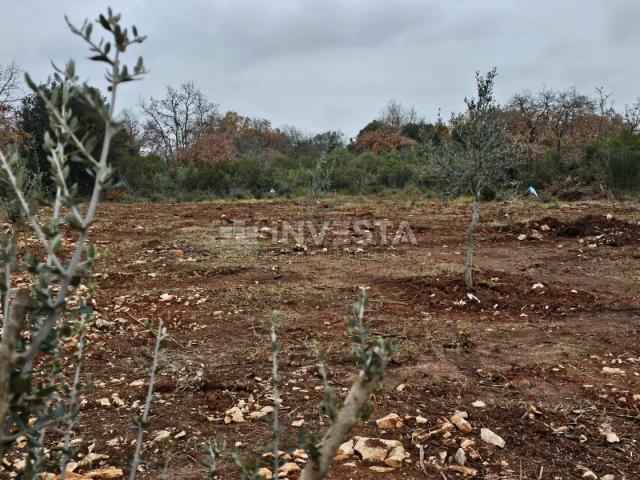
(33, 189)
(542, 171)
(143, 175)
(487, 194)
(340, 171)
(615, 162)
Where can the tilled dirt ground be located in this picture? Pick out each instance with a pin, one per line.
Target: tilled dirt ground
(557, 299)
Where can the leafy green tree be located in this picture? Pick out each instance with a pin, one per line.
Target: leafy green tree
(372, 126)
(34, 120)
(421, 132)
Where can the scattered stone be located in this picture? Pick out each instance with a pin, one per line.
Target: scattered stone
(117, 400)
(396, 457)
(444, 430)
(102, 324)
(371, 450)
(522, 237)
(234, 415)
(265, 473)
(180, 435)
(479, 404)
(113, 442)
(536, 235)
(466, 471)
(297, 423)
(605, 429)
(421, 420)
(68, 476)
(281, 454)
(472, 297)
(469, 447)
(461, 424)
(345, 450)
(461, 414)
(300, 454)
(608, 476)
(613, 371)
(467, 443)
(374, 450)
(612, 438)
(105, 473)
(91, 458)
(381, 469)
(492, 438)
(161, 436)
(460, 457)
(264, 411)
(288, 468)
(104, 402)
(392, 420)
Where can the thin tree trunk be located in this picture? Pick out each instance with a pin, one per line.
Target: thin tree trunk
(11, 333)
(475, 217)
(335, 435)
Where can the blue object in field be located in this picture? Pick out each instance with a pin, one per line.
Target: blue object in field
(532, 191)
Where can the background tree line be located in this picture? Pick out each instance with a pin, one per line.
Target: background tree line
(182, 146)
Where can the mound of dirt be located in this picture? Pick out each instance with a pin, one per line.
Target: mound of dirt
(600, 229)
(495, 291)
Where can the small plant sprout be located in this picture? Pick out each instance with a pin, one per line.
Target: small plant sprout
(372, 356)
(74, 405)
(213, 452)
(276, 380)
(140, 423)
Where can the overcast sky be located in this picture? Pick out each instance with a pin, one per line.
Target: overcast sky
(333, 64)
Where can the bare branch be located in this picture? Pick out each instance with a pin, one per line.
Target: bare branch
(9, 84)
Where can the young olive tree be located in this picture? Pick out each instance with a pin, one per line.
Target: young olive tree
(35, 401)
(372, 356)
(478, 154)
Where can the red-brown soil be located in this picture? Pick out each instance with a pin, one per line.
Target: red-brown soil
(552, 310)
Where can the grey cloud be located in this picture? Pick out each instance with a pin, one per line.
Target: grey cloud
(322, 64)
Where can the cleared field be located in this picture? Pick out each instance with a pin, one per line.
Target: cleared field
(557, 299)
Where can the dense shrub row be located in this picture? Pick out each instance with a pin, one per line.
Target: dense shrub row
(309, 165)
(250, 176)
(613, 164)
